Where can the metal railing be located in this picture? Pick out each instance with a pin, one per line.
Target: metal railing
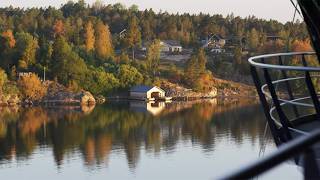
(301, 145)
(288, 135)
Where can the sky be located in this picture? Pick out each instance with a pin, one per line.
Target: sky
(280, 10)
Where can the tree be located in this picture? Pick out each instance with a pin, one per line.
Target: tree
(101, 82)
(66, 64)
(202, 60)
(7, 50)
(27, 46)
(103, 42)
(89, 37)
(191, 71)
(129, 76)
(133, 37)
(10, 38)
(3, 79)
(31, 87)
(58, 28)
(153, 57)
(253, 39)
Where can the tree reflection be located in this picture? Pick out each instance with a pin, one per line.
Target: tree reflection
(96, 132)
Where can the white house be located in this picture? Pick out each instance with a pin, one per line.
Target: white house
(147, 93)
(167, 46)
(171, 46)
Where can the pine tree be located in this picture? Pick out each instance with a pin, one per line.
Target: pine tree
(202, 60)
(89, 37)
(27, 46)
(103, 43)
(153, 56)
(133, 37)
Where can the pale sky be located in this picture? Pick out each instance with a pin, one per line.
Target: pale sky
(280, 10)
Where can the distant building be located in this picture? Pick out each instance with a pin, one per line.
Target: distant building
(217, 50)
(148, 93)
(214, 41)
(167, 46)
(273, 38)
(171, 46)
(24, 74)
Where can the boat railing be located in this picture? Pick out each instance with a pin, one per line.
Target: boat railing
(301, 146)
(287, 87)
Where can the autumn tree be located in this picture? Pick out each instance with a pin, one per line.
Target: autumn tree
(3, 79)
(202, 60)
(301, 45)
(7, 50)
(58, 28)
(153, 57)
(31, 87)
(103, 42)
(10, 38)
(195, 68)
(89, 37)
(133, 37)
(253, 39)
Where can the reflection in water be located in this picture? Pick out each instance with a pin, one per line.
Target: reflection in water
(154, 108)
(125, 127)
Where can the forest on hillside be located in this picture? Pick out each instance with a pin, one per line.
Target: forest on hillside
(79, 45)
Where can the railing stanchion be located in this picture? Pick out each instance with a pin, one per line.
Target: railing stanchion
(311, 89)
(284, 75)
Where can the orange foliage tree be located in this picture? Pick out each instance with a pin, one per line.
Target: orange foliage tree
(302, 45)
(9, 36)
(32, 87)
(89, 36)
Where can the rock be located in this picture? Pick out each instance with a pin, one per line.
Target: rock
(59, 95)
(86, 98)
(100, 99)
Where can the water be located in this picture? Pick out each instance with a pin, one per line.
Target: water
(134, 140)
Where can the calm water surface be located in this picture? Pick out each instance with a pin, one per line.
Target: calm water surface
(134, 140)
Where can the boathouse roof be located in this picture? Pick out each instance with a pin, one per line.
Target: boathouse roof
(142, 88)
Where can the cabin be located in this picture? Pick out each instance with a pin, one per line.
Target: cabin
(171, 46)
(167, 46)
(214, 41)
(24, 74)
(146, 93)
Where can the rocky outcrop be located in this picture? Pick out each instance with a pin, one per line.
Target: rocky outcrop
(180, 93)
(57, 94)
(70, 98)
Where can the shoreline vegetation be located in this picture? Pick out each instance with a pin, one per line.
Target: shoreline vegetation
(81, 53)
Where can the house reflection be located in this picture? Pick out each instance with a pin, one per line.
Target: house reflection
(116, 127)
(154, 108)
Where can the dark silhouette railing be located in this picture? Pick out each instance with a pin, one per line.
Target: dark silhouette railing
(301, 145)
(287, 85)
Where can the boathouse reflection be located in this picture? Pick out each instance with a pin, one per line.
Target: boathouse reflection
(97, 134)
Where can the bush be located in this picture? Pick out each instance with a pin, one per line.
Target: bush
(31, 87)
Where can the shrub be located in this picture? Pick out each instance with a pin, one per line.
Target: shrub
(31, 87)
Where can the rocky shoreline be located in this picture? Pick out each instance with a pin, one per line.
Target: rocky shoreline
(56, 95)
